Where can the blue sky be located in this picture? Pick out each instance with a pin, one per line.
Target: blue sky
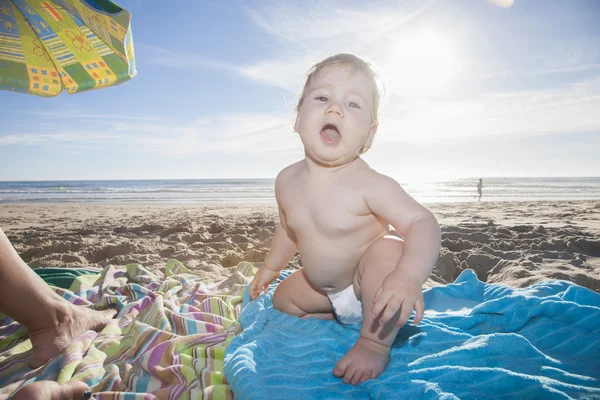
(473, 88)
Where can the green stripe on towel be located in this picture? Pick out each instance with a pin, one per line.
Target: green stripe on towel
(63, 277)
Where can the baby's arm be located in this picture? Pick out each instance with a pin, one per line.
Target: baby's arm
(401, 290)
(284, 246)
(282, 250)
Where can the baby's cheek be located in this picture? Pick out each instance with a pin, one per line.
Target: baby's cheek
(365, 120)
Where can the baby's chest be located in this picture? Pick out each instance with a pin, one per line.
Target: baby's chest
(327, 214)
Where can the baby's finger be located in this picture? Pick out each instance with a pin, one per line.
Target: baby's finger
(377, 293)
(379, 305)
(420, 310)
(405, 313)
(391, 309)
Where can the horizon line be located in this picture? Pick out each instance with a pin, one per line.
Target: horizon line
(272, 178)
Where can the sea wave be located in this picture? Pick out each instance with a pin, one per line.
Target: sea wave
(262, 190)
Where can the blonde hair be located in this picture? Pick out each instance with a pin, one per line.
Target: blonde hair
(358, 64)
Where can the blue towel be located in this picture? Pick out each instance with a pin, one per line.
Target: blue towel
(477, 340)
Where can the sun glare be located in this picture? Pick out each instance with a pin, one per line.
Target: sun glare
(503, 3)
(426, 60)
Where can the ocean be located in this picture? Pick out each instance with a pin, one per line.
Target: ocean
(260, 191)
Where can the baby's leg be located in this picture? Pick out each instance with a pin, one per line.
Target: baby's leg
(370, 354)
(297, 296)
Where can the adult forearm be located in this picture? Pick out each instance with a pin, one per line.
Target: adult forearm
(24, 296)
(422, 244)
(282, 250)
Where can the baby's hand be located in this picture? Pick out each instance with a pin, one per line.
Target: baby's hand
(399, 291)
(263, 278)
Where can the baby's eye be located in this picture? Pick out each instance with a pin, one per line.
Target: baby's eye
(353, 105)
(321, 98)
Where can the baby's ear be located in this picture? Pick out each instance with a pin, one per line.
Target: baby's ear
(372, 132)
(296, 122)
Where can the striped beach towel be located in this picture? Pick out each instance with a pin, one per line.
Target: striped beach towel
(168, 340)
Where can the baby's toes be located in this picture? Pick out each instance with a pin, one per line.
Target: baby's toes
(351, 372)
(376, 371)
(358, 377)
(368, 374)
(341, 367)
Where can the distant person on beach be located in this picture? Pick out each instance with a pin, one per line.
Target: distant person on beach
(480, 188)
(52, 322)
(336, 211)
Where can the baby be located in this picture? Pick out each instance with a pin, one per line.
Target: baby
(336, 211)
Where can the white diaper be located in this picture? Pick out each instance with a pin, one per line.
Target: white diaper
(348, 309)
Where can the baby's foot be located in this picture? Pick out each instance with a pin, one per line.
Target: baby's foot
(366, 360)
(52, 390)
(72, 323)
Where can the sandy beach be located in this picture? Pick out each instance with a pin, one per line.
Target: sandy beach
(516, 243)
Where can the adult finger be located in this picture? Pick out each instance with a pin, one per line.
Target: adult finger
(52, 390)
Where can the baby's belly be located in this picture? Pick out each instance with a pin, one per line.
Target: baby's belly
(329, 269)
(330, 261)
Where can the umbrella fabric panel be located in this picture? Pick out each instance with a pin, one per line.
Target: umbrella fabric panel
(22, 54)
(60, 45)
(107, 20)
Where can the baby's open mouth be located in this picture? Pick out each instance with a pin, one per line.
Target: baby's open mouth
(330, 134)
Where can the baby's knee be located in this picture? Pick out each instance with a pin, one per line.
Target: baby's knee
(387, 247)
(383, 255)
(282, 302)
(277, 300)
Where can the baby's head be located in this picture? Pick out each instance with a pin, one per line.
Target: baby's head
(356, 65)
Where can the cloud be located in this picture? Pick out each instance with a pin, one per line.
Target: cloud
(572, 154)
(84, 114)
(418, 52)
(226, 134)
(555, 56)
(236, 133)
(190, 62)
(313, 30)
(34, 139)
(136, 127)
(310, 31)
(576, 68)
(572, 108)
(307, 32)
(318, 23)
(57, 121)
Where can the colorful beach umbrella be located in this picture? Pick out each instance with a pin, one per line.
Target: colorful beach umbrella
(74, 45)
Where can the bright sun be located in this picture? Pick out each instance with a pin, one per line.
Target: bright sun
(425, 60)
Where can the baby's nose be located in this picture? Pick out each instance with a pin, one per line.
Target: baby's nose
(335, 107)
